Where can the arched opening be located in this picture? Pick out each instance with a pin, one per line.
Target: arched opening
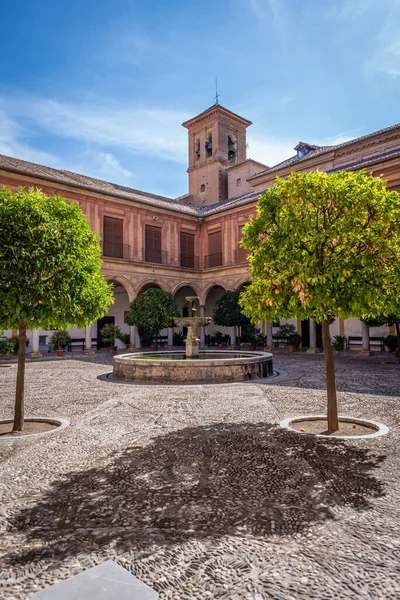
(116, 315)
(215, 331)
(149, 286)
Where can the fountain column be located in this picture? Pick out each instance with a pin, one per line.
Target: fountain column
(35, 353)
(366, 347)
(202, 329)
(88, 340)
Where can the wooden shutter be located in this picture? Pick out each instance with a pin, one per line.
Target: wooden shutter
(113, 237)
(187, 250)
(153, 244)
(215, 249)
(241, 253)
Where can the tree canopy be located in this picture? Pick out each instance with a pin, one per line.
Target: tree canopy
(152, 311)
(50, 263)
(228, 312)
(50, 274)
(324, 246)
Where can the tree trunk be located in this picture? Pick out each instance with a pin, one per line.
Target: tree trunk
(397, 325)
(19, 393)
(333, 423)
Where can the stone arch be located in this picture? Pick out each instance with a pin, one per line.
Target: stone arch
(150, 282)
(208, 287)
(190, 284)
(124, 281)
(241, 283)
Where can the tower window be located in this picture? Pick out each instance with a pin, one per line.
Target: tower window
(208, 145)
(203, 187)
(238, 182)
(197, 149)
(231, 149)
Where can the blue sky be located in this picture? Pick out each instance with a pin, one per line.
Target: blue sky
(101, 87)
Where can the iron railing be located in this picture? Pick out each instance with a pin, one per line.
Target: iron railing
(189, 261)
(239, 255)
(116, 250)
(213, 260)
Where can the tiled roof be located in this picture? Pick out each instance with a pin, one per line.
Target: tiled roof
(216, 107)
(364, 162)
(294, 160)
(230, 203)
(96, 185)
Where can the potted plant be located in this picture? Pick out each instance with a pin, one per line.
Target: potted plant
(6, 347)
(218, 337)
(338, 343)
(293, 341)
(226, 339)
(109, 334)
(255, 339)
(390, 342)
(60, 340)
(178, 338)
(125, 338)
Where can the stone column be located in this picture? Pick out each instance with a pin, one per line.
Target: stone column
(133, 336)
(232, 333)
(88, 340)
(35, 353)
(366, 348)
(268, 332)
(170, 342)
(138, 343)
(202, 329)
(313, 338)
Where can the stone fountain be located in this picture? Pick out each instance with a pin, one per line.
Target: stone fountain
(193, 366)
(193, 324)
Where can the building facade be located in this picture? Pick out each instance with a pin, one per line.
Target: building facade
(190, 245)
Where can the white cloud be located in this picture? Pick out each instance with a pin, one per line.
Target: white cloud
(277, 9)
(145, 131)
(14, 141)
(269, 151)
(386, 60)
(349, 9)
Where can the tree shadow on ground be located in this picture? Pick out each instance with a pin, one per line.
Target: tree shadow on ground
(223, 479)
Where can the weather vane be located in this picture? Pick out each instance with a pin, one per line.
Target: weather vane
(216, 91)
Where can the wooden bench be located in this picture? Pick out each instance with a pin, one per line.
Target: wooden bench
(356, 340)
(276, 341)
(79, 342)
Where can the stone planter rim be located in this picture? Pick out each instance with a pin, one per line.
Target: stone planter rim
(61, 423)
(380, 428)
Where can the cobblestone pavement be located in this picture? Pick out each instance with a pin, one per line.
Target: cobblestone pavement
(197, 491)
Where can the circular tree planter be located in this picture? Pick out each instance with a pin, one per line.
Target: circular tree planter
(350, 428)
(33, 426)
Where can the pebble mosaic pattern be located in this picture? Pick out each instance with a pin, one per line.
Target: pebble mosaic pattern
(197, 491)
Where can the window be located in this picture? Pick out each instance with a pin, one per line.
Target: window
(214, 258)
(208, 146)
(202, 187)
(197, 149)
(241, 253)
(231, 149)
(187, 250)
(238, 182)
(113, 237)
(152, 251)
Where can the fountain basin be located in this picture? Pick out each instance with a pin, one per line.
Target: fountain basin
(211, 366)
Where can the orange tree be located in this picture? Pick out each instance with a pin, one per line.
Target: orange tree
(324, 246)
(50, 273)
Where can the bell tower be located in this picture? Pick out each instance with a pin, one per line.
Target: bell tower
(217, 140)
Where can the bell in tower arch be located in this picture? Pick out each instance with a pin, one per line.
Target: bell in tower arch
(231, 149)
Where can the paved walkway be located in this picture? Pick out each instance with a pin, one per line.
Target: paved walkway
(197, 491)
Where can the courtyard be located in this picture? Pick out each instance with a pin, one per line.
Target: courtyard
(197, 491)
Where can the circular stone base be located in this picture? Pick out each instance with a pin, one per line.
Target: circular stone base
(211, 366)
(349, 427)
(32, 426)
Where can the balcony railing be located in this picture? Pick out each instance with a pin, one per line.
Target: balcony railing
(116, 250)
(213, 260)
(159, 257)
(239, 256)
(189, 261)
